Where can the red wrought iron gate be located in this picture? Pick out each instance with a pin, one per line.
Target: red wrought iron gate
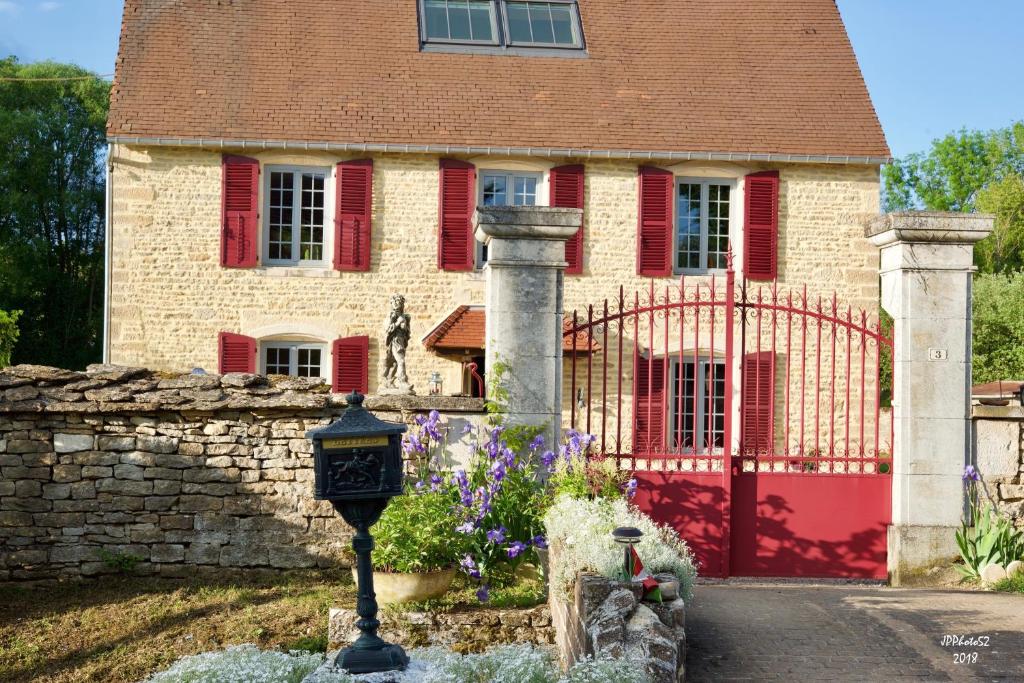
(752, 416)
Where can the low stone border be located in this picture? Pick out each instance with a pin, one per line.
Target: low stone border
(472, 630)
(607, 617)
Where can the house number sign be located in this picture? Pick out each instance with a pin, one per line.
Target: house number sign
(938, 354)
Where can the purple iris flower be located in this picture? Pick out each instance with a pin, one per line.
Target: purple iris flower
(547, 459)
(971, 474)
(469, 566)
(496, 535)
(467, 428)
(631, 487)
(539, 542)
(516, 549)
(483, 594)
(466, 528)
(419, 419)
(498, 470)
(419, 486)
(537, 443)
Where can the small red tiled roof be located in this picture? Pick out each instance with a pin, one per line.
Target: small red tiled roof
(765, 77)
(464, 329)
(1004, 389)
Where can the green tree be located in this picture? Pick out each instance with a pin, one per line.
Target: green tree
(52, 140)
(8, 335)
(998, 327)
(1003, 250)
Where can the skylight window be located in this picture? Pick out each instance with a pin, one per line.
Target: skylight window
(502, 25)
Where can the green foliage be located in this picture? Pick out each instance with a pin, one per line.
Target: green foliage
(123, 563)
(985, 537)
(52, 140)
(998, 327)
(417, 533)
(8, 335)
(583, 477)
(1003, 250)
(969, 171)
(1014, 584)
(314, 643)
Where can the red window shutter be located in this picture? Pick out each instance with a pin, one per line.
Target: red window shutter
(350, 369)
(239, 215)
(756, 403)
(567, 192)
(648, 404)
(654, 237)
(236, 353)
(761, 229)
(455, 243)
(352, 221)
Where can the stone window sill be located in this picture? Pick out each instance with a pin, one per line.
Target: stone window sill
(296, 271)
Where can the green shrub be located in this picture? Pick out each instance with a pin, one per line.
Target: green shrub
(998, 347)
(8, 335)
(417, 533)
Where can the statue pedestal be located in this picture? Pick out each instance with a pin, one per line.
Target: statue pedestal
(396, 391)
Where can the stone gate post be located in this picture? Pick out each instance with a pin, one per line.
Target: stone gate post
(926, 269)
(524, 271)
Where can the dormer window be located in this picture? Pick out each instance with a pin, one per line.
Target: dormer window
(501, 26)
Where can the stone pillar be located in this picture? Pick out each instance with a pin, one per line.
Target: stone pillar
(525, 271)
(926, 270)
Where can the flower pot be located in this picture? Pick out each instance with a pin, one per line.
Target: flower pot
(393, 587)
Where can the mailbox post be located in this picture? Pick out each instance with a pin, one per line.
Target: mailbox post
(357, 464)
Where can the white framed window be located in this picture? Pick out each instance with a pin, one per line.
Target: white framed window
(696, 405)
(297, 206)
(295, 359)
(704, 209)
(502, 23)
(507, 188)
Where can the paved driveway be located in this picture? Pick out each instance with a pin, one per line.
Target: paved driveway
(852, 633)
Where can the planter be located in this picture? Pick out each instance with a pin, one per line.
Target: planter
(395, 587)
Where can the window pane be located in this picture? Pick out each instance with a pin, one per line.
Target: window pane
(718, 225)
(495, 190)
(519, 23)
(308, 363)
(525, 191)
(480, 20)
(540, 23)
(279, 225)
(458, 19)
(682, 410)
(688, 226)
(437, 19)
(714, 404)
(561, 21)
(311, 247)
(278, 360)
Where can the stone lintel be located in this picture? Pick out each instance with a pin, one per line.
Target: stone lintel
(527, 222)
(929, 227)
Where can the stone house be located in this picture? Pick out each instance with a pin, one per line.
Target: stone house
(278, 170)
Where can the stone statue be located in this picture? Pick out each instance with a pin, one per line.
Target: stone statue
(394, 379)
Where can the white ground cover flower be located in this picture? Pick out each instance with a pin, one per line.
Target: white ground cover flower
(604, 671)
(581, 529)
(241, 664)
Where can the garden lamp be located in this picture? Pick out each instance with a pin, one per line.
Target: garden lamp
(628, 536)
(435, 383)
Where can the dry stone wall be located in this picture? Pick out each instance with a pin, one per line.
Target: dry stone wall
(170, 475)
(999, 456)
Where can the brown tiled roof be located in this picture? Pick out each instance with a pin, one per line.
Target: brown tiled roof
(464, 329)
(742, 76)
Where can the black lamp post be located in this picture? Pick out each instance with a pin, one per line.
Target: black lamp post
(357, 464)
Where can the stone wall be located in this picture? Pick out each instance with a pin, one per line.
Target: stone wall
(174, 474)
(608, 618)
(466, 630)
(170, 298)
(998, 439)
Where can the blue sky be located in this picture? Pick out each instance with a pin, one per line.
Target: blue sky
(933, 66)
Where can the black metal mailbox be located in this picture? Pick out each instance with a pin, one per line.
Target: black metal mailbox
(357, 466)
(358, 457)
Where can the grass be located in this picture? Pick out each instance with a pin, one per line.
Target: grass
(124, 629)
(1015, 584)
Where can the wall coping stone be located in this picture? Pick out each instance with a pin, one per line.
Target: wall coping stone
(109, 389)
(1010, 412)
